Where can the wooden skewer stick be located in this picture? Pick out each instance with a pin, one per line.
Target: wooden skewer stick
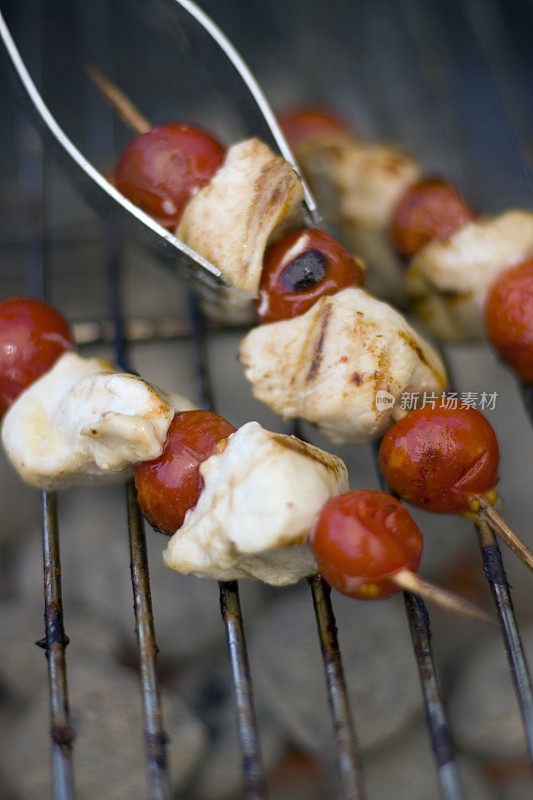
(488, 513)
(412, 582)
(118, 100)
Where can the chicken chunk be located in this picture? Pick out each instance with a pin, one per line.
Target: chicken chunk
(255, 196)
(342, 365)
(254, 514)
(358, 185)
(83, 420)
(448, 280)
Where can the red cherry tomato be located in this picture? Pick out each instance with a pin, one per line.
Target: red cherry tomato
(32, 337)
(170, 485)
(161, 169)
(300, 268)
(430, 209)
(438, 458)
(308, 122)
(360, 539)
(509, 318)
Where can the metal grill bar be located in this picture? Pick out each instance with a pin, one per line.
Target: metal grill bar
(154, 735)
(230, 605)
(441, 740)
(347, 761)
(348, 765)
(499, 587)
(230, 608)
(54, 643)
(439, 730)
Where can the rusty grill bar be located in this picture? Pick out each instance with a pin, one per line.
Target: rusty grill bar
(54, 644)
(55, 640)
(437, 721)
(155, 738)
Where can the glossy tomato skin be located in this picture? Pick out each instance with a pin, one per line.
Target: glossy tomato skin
(362, 538)
(307, 122)
(299, 269)
(430, 209)
(437, 458)
(170, 485)
(32, 337)
(509, 318)
(160, 170)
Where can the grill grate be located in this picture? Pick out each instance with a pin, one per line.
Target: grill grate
(55, 641)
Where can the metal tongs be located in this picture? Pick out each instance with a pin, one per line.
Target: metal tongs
(119, 212)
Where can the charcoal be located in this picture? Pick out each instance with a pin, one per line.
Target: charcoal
(405, 770)
(210, 696)
(483, 705)
(95, 571)
(108, 749)
(377, 656)
(23, 668)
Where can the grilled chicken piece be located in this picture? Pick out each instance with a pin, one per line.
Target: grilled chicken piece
(342, 365)
(83, 420)
(448, 279)
(358, 185)
(254, 197)
(254, 514)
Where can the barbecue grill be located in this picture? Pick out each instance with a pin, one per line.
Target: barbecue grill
(438, 78)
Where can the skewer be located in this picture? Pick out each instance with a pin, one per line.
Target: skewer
(411, 582)
(139, 124)
(447, 774)
(345, 738)
(118, 101)
(229, 592)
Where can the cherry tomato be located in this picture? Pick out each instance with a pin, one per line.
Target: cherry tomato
(307, 122)
(430, 209)
(170, 485)
(509, 318)
(300, 268)
(360, 539)
(438, 458)
(32, 337)
(160, 170)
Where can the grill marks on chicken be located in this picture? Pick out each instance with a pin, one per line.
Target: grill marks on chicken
(255, 196)
(304, 367)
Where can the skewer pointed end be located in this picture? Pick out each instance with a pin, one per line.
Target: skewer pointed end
(412, 582)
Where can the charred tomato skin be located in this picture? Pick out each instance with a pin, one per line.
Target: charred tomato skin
(438, 458)
(168, 486)
(360, 539)
(509, 318)
(161, 169)
(308, 122)
(32, 337)
(430, 209)
(299, 269)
